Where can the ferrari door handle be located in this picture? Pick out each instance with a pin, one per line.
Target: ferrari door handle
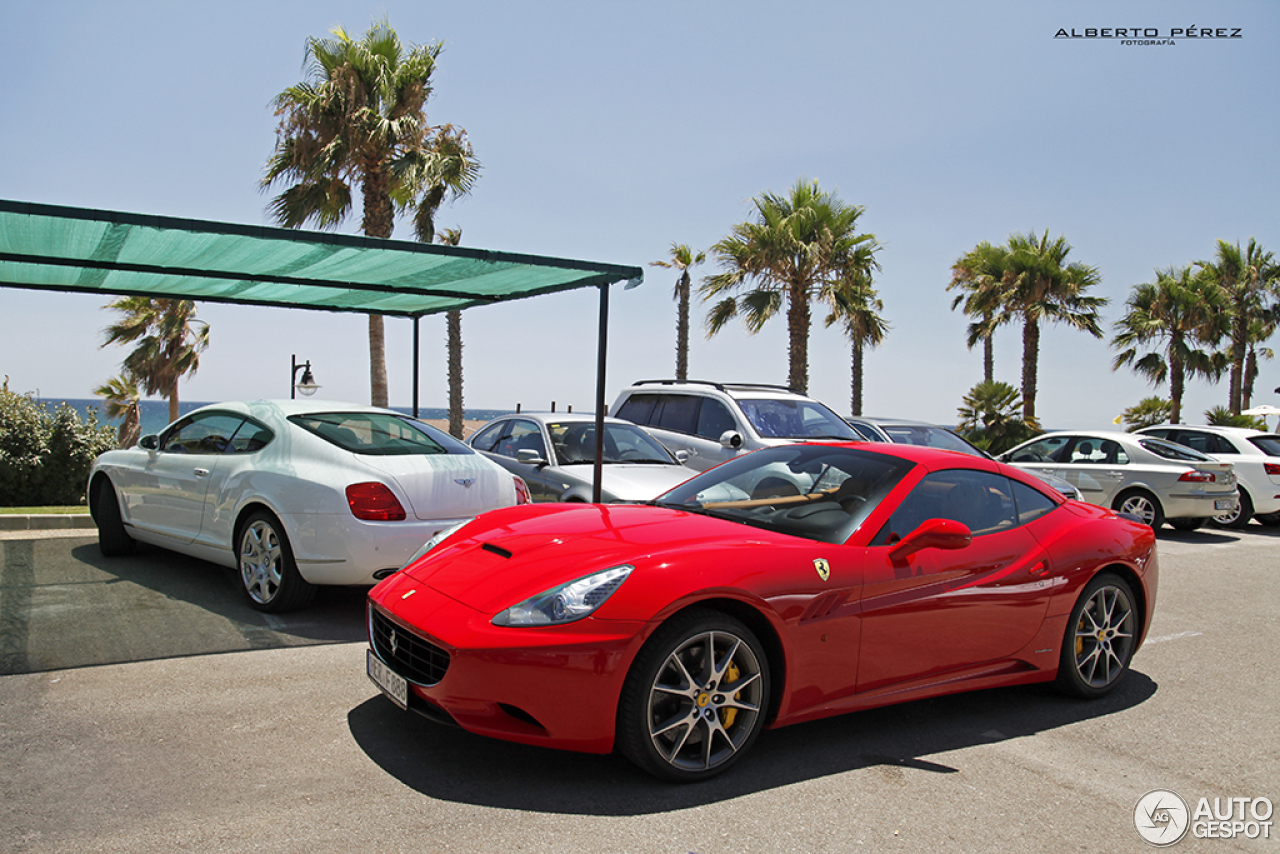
(1040, 567)
(201, 472)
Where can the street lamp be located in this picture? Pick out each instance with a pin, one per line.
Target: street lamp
(307, 385)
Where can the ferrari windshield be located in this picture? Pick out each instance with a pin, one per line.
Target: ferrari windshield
(813, 491)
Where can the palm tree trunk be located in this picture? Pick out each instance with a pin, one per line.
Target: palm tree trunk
(1238, 337)
(798, 331)
(379, 219)
(453, 321)
(1030, 359)
(855, 372)
(682, 329)
(1177, 383)
(1250, 374)
(988, 359)
(173, 401)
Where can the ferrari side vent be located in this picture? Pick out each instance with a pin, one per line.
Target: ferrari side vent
(412, 656)
(823, 606)
(498, 550)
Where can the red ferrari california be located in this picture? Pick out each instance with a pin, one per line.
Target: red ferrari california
(785, 585)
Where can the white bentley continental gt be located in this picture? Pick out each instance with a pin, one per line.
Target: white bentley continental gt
(293, 494)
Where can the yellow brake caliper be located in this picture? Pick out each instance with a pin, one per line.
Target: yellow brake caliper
(727, 715)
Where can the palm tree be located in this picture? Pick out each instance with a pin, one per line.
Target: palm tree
(169, 340)
(359, 119)
(798, 249)
(980, 276)
(1041, 286)
(1163, 322)
(682, 258)
(1148, 412)
(857, 307)
(989, 417)
(1250, 280)
(120, 400)
(453, 333)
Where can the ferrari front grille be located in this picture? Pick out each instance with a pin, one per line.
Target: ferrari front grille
(412, 656)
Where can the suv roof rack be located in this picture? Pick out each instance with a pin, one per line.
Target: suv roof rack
(720, 386)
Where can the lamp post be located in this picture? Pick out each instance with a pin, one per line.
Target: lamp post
(307, 385)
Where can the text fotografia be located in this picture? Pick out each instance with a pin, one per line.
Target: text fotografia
(1150, 35)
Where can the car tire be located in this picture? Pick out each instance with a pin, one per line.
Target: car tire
(1140, 503)
(113, 539)
(1100, 638)
(1240, 517)
(684, 718)
(1188, 524)
(1269, 519)
(269, 575)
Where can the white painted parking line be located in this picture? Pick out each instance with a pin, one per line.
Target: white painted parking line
(1178, 636)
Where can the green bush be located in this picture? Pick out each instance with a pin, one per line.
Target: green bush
(45, 457)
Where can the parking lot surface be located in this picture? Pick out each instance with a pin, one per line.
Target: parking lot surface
(144, 707)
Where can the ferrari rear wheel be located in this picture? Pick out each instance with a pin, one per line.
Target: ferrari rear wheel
(696, 697)
(268, 574)
(1100, 638)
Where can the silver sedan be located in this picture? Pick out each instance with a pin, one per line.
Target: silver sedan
(554, 453)
(1155, 480)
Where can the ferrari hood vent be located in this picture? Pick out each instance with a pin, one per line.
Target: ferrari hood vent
(496, 549)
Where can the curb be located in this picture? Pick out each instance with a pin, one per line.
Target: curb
(46, 522)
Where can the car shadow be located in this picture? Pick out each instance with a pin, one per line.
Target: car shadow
(64, 605)
(449, 764)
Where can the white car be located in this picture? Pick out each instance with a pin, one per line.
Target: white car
(555, 454)
(1144, 476)
(1254, 454)
(293, 494)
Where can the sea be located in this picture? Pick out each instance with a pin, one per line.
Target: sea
(155, 413)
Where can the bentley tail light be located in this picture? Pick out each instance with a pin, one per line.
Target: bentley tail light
(374, 502)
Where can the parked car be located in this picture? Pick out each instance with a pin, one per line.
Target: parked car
(708, 423)
(292, 493)
(786, 585)
(1155, 480)
(555, 454)
(908, 432)
(1255, 456)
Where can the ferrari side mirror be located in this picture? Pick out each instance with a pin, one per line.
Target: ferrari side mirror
(932, 534)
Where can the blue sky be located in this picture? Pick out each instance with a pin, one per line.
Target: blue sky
(610, 130)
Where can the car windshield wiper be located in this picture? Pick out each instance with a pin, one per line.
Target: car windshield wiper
(658, 462)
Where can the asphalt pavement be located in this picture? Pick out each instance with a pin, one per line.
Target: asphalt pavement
(145, 708)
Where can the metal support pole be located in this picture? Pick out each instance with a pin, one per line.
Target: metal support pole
(602, 347)
(415, 366)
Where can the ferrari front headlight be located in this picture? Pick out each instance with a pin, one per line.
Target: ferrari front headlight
(568, 602)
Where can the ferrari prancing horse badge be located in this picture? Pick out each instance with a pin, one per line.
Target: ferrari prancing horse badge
(824, 568)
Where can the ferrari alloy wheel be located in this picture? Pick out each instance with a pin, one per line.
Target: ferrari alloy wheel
(113, 539)
(696, 697)
(1100, 638)
(1239, 517)
(268, 573)
(1142, 504)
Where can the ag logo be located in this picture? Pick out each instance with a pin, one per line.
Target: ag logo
(1161, 817)
(823, 568)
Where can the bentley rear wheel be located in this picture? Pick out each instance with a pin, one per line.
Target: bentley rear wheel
(696, 697)
(268, 574)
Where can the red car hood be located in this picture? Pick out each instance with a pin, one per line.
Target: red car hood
(508, 555)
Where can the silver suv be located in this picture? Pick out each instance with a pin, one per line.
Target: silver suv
(706, 423)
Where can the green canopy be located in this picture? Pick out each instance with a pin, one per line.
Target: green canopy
(44, 247)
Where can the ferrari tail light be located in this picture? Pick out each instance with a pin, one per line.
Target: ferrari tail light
(523, 495)
(1272, 469)
(1197, 476)
(374, 502)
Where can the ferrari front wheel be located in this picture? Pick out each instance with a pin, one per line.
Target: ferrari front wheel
(696, 697)
(1100, 638)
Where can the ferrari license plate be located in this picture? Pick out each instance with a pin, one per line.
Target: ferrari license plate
(1224, 504)
(392, 684)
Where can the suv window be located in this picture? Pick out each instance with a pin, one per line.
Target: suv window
(714, 418)
(638, 409)
(1269, 445)
(795, 419)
